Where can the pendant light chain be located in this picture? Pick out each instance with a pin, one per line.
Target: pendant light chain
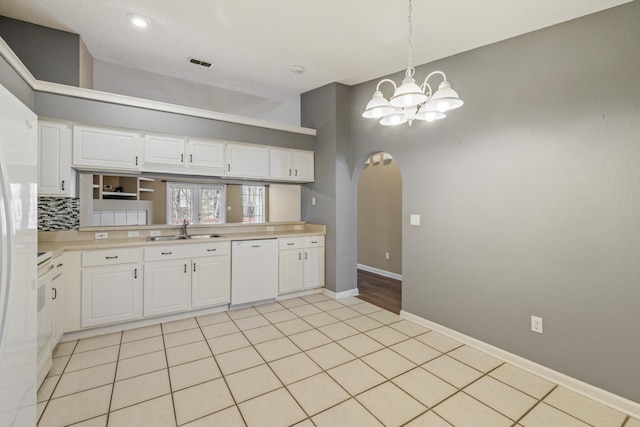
(410, 68)
(412, 101)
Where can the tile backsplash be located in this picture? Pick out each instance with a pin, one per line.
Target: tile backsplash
(58, 213)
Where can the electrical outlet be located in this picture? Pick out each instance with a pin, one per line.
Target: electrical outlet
(133, 234)
(298, 227)
(415, 219)
(270, 228)
(536, 324)
(154, 233)
(386, 255)
(313, 201)
(101, 236)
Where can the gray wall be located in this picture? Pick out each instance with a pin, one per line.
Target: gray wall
(380, 216)
(105, 114)
(50, 55)
(529, 197)
(14, 83)
(114, 78)
(326, 110)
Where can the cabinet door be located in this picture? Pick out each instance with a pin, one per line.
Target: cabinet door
(290, 273)
(54, 159)
(166, 286)
(58, 309)
(111, 294)
(302, 162)
(210, 281)
(280, 163)
(206, 157)
(247, 161)
(313, 267)
(106, 148)
(161, 152)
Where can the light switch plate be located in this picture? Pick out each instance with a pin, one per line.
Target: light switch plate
(154, 233)
(270, 228)
(133, 234)
(101, 236)
(415, 219)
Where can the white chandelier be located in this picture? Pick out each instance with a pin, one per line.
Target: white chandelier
(412, 102)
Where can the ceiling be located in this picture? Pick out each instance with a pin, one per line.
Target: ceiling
(252, 43)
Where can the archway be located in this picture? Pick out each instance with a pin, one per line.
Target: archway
(379, 219)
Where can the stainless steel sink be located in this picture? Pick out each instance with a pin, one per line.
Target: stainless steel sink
(163, 238)
(181, 237)
(205, 236)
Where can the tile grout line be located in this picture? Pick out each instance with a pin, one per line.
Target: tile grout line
(173, 403)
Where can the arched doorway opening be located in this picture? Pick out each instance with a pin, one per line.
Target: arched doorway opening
(379, 218)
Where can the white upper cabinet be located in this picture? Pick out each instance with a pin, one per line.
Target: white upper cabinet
(206, 157)
(163, 153)
(247, 161)
(113, 150)
(302, 162)
(54, 159)
(291, 165)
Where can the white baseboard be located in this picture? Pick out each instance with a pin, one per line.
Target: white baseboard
(380, 272)
(298, 294)
(619, 403)
(343, 294)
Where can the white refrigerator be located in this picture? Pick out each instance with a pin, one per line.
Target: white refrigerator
(18, 230)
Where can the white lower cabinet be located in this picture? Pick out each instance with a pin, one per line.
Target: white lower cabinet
(300, 263)
(58, 300)
(186, 276)
(211, 281)
(111, 286)
(166, 287)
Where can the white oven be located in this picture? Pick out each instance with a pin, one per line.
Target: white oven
(45, 327)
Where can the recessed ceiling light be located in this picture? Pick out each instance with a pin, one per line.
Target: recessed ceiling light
(138, 20)
(297, 69)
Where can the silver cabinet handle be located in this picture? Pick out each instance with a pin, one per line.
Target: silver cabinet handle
(211, 250)
(290, 244)
(181, 158)
(135, 273)
(62, 185)
(55, 293)
(136, 160)
(296, 172)
(305, 255)
(299, 256)
(166, 253)
(314, 241)
(185, 268)
(289, 172)
(191, 158)
(58, 265)
(194, 267)
(111, 257)
(228, 167)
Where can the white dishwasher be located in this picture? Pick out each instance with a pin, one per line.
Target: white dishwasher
(254, 270)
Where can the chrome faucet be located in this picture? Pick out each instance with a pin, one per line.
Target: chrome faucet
(184, 234)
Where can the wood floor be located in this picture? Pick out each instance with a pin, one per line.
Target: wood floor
(381, 291)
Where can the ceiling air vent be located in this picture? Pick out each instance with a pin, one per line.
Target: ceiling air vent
(200, 62)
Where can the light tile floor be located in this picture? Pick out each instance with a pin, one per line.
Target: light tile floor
(308, 361)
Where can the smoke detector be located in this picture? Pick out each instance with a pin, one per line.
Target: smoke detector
(200, 62)
(297, 69)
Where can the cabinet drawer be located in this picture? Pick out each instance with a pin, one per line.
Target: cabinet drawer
(180, 251)
(312, 241)
(110, 257)
(291, 242)
(58, 263)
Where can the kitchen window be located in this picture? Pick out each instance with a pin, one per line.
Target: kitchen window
(197, 203)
